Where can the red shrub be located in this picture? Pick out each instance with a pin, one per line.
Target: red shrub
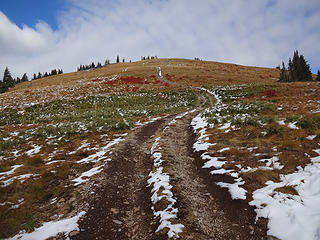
(269, 93)
(133, 80)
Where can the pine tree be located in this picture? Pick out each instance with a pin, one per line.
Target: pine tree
(306, 74)
(39, 75)
(34, 76)
(3, 87)
(290, 75)
(123, 60)
(24, 78)
(318, 76)
(7, 79)
(283, 74)
(118, 59)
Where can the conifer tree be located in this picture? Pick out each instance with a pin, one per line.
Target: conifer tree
(318, 76)
(7, 79)
(118, 59)
(306, 74)
(24, 78)
(34, 76)
(3, 87)
(283, 74)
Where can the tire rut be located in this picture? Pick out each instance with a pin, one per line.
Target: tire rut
(121, 208)
(207, 211)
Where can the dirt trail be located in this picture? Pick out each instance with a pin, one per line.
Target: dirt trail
(121, 208)
(206, 211)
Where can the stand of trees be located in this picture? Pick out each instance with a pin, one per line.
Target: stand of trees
(91, 66)
(94, 66)
(46, 74)
(8, 81)
(148, 58)
(298, 70)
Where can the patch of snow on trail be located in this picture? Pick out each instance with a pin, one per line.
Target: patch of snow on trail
(200, 125)
(98, 156)
(299, 214)
(84, 177)
(234, 189)
(161, 188)
(51, 229)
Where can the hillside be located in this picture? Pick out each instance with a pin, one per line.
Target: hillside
(157, 149)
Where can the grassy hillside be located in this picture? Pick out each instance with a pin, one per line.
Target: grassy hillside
(58, 132)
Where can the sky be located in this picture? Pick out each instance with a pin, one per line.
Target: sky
(37, 35)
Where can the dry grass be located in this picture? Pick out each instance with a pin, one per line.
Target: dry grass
(287, 190)
(295, 102)
(91, 82)
(53, 181)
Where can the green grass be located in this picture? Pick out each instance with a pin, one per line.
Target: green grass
(310, 123)
(63, 118)
(242, 113)
(231, 92)
(100, 107)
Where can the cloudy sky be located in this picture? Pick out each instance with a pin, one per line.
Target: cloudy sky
(37, 35)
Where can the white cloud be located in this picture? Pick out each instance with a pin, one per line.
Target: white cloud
(260, 33)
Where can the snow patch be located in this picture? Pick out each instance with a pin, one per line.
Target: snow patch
(51, 229)
(292, 212)
(36, 149)
(85, 176)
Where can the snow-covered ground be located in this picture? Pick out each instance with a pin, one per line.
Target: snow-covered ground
(51, 229)
(291, 216)
(200, 125)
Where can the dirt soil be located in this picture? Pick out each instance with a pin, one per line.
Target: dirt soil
(207, 211)
(121, 209)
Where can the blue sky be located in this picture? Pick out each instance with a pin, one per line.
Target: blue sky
(29, 12)
(41, 35)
